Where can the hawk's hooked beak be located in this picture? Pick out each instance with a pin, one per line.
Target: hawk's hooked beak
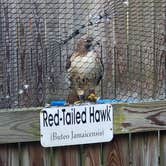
(89, 42)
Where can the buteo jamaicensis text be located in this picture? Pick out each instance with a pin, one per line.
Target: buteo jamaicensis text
(84, 69)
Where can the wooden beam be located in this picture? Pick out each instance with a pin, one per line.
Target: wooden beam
(22, 125)
(19, 125)
(130, 118)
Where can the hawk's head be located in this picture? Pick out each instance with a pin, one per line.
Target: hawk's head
(84, 44)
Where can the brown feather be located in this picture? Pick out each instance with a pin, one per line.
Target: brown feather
(84, 68)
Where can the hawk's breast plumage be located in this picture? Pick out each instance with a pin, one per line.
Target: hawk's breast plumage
(85, 70)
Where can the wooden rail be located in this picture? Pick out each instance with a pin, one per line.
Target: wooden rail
(22, 125)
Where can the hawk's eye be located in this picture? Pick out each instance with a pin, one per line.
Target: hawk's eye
(89, 40)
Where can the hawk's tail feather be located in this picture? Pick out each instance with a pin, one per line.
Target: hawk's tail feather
(72, 96)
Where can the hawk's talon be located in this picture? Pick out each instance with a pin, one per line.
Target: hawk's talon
(77, 102)
(93, 97)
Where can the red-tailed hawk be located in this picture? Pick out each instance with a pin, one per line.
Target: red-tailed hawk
(85, 70)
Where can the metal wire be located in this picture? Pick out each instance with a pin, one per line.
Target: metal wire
(37, 37)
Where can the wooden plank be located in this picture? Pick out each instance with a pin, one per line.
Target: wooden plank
(145, 149)
(33, 154)
(159, 51)
(91, 155)
(163, 148)
(36, 154)
(66, 156)
(141, 47)
(30, 153)
(24, 155)
(9, 155)
(117, 151)
(19, 126)
(22, 125)
(130, 118)
(121, 83)
(146, 43)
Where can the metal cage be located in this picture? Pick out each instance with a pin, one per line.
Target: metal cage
(37, 36)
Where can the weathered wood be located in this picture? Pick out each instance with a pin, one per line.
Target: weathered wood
(146, 43)
(66, 156)
(22, 125)
(33, 154)
(116, 153)
(91, 155)
(121, 84)
(130, 118)
(19, 126)
(36, 155)
(145, 149)
(163, 148)
(9, 155)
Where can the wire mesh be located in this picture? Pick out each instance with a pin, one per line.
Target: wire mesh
(38, 36)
